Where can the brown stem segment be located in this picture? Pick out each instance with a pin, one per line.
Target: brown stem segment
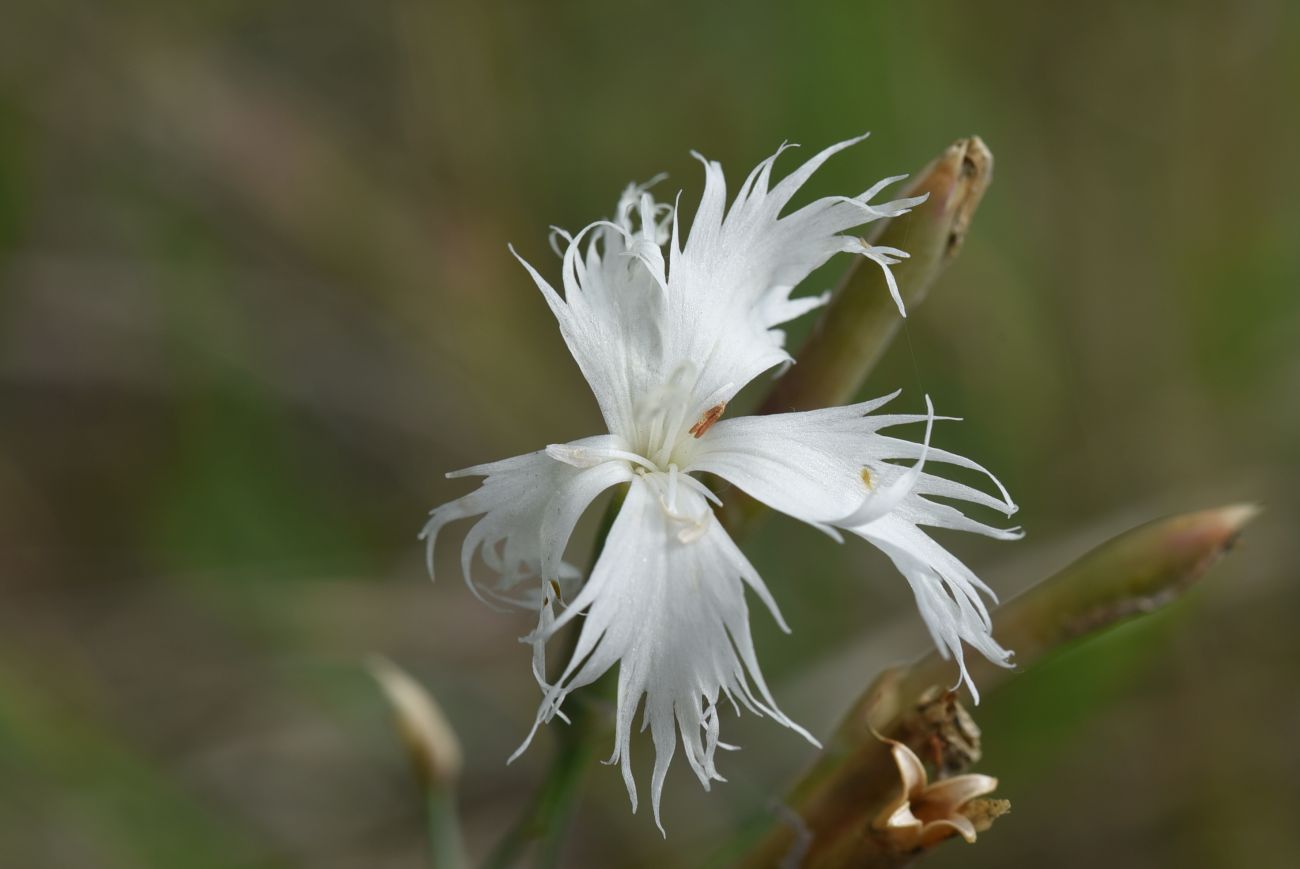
(1134, 574)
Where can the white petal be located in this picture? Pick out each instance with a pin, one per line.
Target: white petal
(668, 608)
(811, 465)
(807, 465)
(832, 469)
(884, 499)
(529, 505)
(730, 287)
(611, 316)
(947, 592)
(707, 319)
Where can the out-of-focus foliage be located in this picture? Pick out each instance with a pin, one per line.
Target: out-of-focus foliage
(255, 300)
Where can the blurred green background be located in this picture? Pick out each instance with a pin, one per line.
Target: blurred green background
(255, 300)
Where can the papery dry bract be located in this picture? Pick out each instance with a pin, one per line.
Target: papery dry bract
(924, 814)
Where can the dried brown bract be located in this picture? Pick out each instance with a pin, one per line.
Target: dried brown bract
(924, 813)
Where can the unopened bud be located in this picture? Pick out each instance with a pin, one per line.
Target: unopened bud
(429, 738)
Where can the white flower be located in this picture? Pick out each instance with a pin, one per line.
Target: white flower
(666, 334)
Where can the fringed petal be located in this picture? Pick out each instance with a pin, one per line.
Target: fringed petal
(832, 469)
(666, 603)
(528, 506)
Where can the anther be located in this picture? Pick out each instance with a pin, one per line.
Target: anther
(706, 422)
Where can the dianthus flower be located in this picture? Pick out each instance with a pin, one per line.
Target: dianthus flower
(666, 333)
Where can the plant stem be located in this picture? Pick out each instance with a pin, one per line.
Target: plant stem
(1131, 575)
(546, 819)
(446, 846)
(434, 754)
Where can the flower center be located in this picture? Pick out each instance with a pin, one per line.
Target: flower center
(670, 417)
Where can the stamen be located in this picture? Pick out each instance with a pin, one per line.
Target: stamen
(706, 422)
(694, 516)
(700, 489)
(670, 412)
(589, 457)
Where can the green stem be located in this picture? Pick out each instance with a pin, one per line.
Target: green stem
(1134, 574)
(446, 846)
(546, 819)
(433, 752)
